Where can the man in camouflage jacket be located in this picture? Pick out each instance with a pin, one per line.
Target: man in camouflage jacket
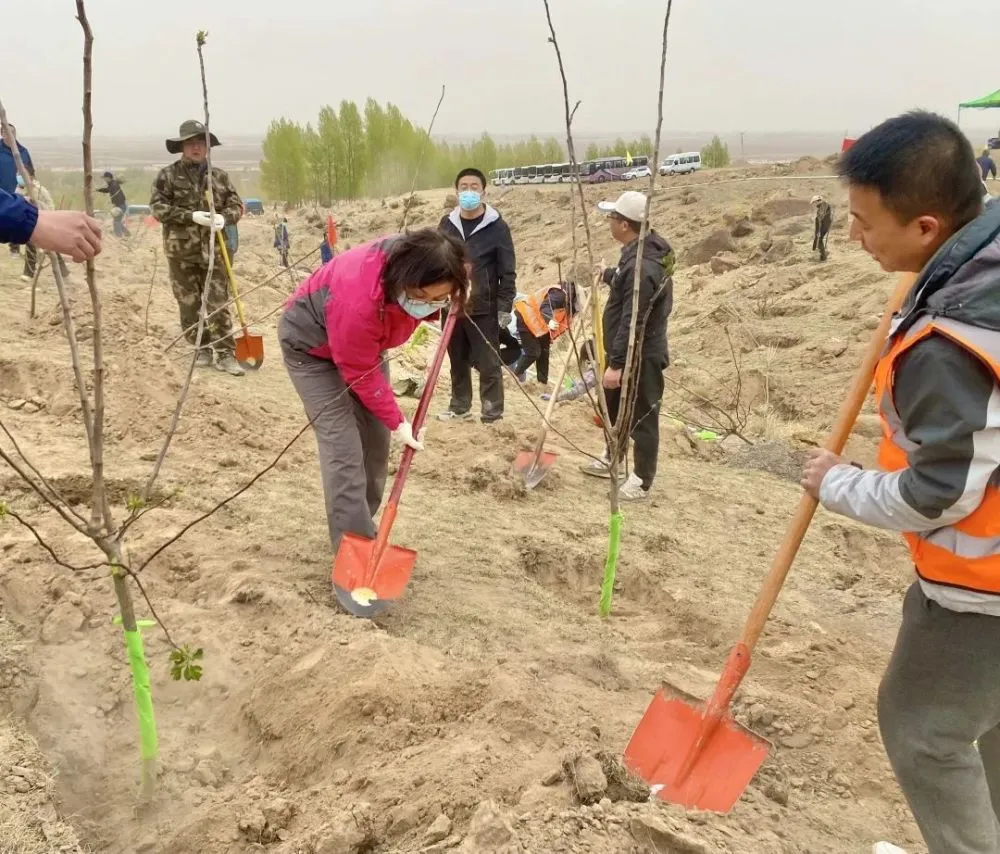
(179, 203)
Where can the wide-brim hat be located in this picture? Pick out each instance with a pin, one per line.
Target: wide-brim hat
(189, 130)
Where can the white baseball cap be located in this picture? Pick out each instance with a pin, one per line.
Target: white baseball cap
(631, 204)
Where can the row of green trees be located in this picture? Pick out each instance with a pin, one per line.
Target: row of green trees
(350, 152)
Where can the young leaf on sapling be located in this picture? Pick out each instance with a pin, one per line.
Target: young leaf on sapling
(182, 661)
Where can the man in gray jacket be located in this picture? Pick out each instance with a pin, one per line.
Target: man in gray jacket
(916, 206)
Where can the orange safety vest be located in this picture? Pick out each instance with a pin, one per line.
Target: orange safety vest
(530, 309)
(965, 554)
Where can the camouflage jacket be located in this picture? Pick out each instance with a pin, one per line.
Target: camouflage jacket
(179, 191)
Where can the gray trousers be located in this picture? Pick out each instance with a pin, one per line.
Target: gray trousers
(353, 445)
(940, 693)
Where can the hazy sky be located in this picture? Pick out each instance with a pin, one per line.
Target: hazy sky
(732, 65)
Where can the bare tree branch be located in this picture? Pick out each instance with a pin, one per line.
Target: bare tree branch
(101, 508)
(56, 497)
(6, 511)
(149, 296)
(420, 161)
(630, 376)
(243, 295)
(202, 319)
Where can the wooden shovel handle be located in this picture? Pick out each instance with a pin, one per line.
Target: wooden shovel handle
(557, 385)
(842, 427)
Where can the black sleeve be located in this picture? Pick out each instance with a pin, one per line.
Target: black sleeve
(103, 190)
(616, 340)
(506, 268)
(650, 278)
(608, 276)
(942, 393)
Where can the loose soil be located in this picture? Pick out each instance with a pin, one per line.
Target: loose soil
(484, 712)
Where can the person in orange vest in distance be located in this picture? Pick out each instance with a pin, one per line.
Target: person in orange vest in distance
(541, 318)
(916, 205)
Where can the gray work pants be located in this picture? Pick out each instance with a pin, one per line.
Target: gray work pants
(353, 445)
(940, 693)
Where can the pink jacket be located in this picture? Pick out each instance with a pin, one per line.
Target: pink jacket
(340, 313)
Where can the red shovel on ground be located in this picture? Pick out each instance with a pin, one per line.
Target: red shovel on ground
(369, 575)
(697, 755)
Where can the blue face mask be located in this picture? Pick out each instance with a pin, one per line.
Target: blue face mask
(420, 308)
(469, 200)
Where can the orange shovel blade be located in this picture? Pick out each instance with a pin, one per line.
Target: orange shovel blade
(249, 349)
(360, 595)
(533, 467)
(725, 765)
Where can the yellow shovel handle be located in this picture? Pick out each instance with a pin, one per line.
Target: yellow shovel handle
(232, 278)
(229, 269)
(598, 325)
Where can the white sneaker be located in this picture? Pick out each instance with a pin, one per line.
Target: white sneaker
(448, 415)
(886, 848)
(632, 490)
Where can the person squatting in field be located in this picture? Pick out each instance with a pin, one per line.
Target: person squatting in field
(539, 319)
(179, 203)
(916, 206)
(334, 332)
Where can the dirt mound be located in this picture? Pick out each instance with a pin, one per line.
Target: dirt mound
(704, 250)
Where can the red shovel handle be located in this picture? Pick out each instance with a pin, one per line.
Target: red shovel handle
(842, 427)
(389, 514)
(423, 406)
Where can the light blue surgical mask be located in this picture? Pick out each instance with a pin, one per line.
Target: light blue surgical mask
(420, 308)
(469, 200)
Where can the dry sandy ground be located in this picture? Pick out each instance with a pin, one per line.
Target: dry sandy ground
(446, 724)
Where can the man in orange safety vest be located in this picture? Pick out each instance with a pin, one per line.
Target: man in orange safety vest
(916, 204)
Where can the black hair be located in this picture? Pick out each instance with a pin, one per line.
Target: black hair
(919, 163)
(423, 257)
(473, 172)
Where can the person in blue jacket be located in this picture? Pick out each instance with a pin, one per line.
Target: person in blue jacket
(8, 168)
(66, 232)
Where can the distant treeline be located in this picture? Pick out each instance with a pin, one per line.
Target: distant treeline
(351, 153)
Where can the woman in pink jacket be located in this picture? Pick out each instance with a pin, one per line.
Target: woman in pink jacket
(333, 333)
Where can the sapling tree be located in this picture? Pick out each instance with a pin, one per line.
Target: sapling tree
(98, 522)
(616, 432)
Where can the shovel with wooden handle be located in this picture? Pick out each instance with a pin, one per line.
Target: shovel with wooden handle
(697, 755)
(369, 575)
(535, 464)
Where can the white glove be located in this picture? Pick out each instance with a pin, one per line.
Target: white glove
(404, 432)
(205, 218)
(553, 326)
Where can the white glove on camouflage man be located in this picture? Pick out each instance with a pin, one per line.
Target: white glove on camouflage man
(404, 432)
(205, 218)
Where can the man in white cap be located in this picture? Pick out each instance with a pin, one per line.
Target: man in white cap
(656, 297)
(821, 229)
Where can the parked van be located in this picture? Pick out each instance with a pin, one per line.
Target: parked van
(679, 164)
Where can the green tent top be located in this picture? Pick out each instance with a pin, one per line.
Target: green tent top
(984, 103)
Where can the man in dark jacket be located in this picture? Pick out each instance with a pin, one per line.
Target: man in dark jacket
(821, 225)
(656, 297)
(476, 339)
(119, 204)
(987, 165)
